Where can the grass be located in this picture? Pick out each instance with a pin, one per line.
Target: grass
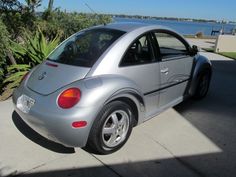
(202, 37)
(229, 54)
(209, 50)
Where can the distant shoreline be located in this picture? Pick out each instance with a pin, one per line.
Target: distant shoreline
(158, 18)
(171, 19)
(191, 28)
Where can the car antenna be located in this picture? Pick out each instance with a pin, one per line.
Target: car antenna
(92, 10)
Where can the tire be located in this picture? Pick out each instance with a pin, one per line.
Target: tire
(203, 85)
(111, 129)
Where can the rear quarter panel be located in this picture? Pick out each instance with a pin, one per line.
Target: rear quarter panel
(100, 90)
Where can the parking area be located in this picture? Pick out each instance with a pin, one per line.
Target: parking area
(195, 138)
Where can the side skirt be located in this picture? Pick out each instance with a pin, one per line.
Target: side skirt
(165, 107)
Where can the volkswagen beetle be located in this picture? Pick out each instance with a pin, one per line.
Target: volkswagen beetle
(103, 81)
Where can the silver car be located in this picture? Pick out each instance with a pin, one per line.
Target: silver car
(103, 81)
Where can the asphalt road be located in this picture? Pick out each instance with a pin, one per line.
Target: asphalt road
(196, 138)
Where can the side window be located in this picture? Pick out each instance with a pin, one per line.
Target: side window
(140, 52)
(170, 46)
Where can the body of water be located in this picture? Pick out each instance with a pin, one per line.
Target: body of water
(183, 27)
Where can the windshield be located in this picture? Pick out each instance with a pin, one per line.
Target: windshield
(84, 48)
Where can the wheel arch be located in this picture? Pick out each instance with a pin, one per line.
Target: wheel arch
(200, 65)
(134, 100)
(128, 96)
(107, 88)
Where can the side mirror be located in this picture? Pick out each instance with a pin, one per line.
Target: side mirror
(194, 50)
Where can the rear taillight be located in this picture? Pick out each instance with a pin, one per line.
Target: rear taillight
(69, 98)
(24, 77)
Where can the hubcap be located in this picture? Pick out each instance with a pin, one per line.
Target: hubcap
(115, 128)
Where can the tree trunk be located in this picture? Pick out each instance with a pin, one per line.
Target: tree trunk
(11, 58)
(50, 5)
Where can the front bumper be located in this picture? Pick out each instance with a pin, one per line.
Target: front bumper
(54, 123)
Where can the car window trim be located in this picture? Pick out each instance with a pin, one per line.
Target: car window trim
(174, 58)
(158, 53)
(152, 52)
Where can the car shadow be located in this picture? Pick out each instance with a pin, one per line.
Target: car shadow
(37, 138)
(169, 167)
(221, 96)
(215, 115)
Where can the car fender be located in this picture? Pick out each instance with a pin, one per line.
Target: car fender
(200, 64)
(134, 99)
(99, 91)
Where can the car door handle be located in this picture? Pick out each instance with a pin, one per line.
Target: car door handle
(177, 80)
(165, 70)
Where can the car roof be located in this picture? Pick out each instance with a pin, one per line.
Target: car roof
(131, 26)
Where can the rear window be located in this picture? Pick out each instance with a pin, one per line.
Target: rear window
(84, 48)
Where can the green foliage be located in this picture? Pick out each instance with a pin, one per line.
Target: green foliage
(4, 42)
(18, 17)
(4, 45)
(209, 49)
(229, 54)
(59, 22)
(34, 50)
(16, 72)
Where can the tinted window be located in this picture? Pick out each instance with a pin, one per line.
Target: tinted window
(170, 46)
(83, 49)
(140, 52)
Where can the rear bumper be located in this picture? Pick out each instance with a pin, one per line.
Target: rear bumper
(54, 123)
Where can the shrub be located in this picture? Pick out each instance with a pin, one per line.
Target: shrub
(34, 49)
(4, 45)
(199, 34)
(59, 22)
(32, 52)
(19, 16)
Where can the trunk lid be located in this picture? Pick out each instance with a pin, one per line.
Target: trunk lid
(51, 76)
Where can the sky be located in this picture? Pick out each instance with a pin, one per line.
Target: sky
(199, 9)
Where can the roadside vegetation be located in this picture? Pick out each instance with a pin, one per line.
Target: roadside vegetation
(231, 55)
(199, 35)
(27, 36)
(209, 50)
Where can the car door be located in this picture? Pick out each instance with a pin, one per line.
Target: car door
(175, 67)
(140, 65)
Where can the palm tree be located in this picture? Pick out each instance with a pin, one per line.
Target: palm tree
(50, 5)
(33, 4)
